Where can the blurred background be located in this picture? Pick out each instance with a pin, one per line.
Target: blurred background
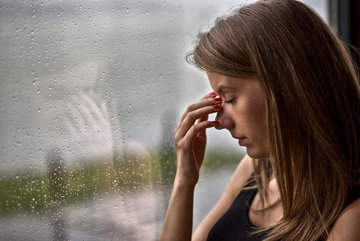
(90, 94)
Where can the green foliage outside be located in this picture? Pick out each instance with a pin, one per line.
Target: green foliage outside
(37, 191)
(217, 159)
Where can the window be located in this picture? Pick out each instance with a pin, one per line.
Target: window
(90, 94)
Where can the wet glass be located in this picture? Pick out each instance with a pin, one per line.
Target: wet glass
(90, 94)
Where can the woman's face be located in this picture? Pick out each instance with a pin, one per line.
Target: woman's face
(243, 112)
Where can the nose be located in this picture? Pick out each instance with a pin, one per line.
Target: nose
(224, 119)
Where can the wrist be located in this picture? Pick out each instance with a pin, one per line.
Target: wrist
(184, 183)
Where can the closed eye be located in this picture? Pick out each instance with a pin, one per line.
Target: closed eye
(229, 101)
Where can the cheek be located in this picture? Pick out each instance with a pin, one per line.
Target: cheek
(260, 128)
(254, 113)
(251, 112)
(259, 117)
(257, 107)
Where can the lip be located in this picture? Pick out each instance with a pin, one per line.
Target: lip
(241, 141)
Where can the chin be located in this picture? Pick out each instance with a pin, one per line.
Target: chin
(257, 154)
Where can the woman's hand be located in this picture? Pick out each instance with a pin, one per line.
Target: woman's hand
(190, 138)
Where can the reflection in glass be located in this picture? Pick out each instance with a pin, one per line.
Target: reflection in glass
(90, 94)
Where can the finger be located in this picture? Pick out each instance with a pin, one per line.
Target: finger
(194, 115)
(208, 95)
(202, 133)
(196, 129)
(90, 108)
(76, 118)
(199, 104)
(200, 114)
(206, 100)
(70, 127)
(203, 118)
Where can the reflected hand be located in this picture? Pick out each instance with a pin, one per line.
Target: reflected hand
(89, 127)
(190, 137)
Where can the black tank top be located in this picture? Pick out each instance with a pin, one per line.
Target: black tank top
(235, 225)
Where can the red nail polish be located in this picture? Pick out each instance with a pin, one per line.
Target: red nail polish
(212, 93)
(215, 122)
(217, 106)
(218, 99)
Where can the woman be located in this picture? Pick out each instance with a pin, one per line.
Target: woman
(286, 88)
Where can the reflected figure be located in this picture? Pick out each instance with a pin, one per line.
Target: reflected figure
(91, 127)
(85, 124)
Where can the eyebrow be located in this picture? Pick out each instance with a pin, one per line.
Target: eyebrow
(222, 89)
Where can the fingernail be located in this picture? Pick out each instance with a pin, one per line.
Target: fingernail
(217, 106)
(212, 93)
(218, 99)
(215, 122)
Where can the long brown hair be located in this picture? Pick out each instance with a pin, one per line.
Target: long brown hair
(313, 106)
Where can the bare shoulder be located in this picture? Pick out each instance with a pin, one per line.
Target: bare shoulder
(347, 225)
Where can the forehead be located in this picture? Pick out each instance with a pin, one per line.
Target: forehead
(223, 83)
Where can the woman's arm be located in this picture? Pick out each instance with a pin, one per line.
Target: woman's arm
(178, 220)
(236, 183)
(190, 140)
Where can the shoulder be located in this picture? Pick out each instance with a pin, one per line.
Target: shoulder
(347, 225)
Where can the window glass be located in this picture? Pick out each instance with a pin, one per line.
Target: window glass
(90, 94)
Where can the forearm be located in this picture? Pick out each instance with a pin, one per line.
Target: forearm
(178, 220)
(190, 140)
